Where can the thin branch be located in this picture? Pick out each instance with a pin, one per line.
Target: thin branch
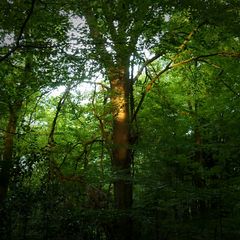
(201, 57)
(39, 45)
(169, 66)
(85, 144)
(210, 63)
(35, 106)
(148, 88)
(17, 45)
(59, 107)
(97, 83)
(145, 64)
(228, 86)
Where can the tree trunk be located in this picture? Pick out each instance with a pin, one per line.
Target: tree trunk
(121, 151)
(121, 155)
(6, 161)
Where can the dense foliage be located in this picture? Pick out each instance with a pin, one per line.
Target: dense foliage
(119, 119)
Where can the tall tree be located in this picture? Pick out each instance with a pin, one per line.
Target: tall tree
(116, 32)
(22, 49)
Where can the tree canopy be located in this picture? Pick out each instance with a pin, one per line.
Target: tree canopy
(119, 119)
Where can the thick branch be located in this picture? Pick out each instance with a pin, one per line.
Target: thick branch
(97, 35)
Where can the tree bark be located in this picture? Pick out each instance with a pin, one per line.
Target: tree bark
(121, 153)
(121, 150)
(6, 161)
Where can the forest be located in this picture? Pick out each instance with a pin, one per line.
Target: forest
(119, 120)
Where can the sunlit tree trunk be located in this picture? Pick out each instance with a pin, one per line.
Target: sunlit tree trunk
(121, 151)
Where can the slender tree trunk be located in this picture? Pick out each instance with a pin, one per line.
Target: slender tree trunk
(6, 164)
(6, 161)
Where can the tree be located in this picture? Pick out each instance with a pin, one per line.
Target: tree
(115, 30)
(22, 50)
(114, 34)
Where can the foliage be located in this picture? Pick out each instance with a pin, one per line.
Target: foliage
(183, 76)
